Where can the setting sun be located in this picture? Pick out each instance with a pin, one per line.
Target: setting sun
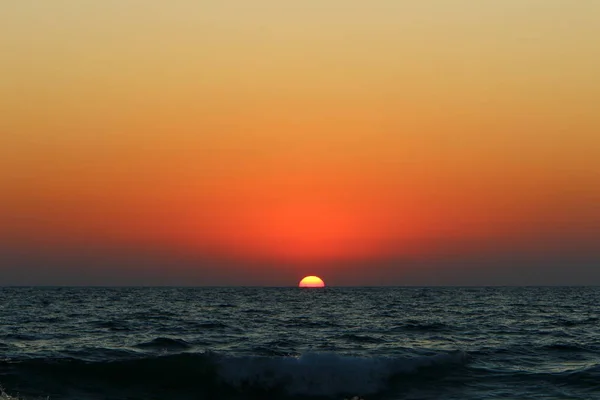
(311, 282)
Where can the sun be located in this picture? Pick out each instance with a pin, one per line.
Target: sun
(311, 282)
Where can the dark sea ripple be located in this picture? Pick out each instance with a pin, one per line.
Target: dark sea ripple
(290, 343)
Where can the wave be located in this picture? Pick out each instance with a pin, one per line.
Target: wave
(31, 337)
(226, 305)
(412, 325)
(310, 374)
(112, 325)
(211, 325)
(163, 343)
(586, 376)
(361, 338)
(566, 322)
(322, 374)
(566, 347)
(590, 371)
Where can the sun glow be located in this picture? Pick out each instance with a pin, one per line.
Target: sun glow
(294, 227)
(311, 282)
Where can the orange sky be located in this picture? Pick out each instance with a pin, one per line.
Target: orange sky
(308, 133)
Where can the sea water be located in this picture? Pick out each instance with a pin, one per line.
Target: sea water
(289, 343)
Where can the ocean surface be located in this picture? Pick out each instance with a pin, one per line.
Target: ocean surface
(290, 343)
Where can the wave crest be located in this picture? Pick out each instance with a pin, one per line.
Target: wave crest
(311, 374)
(319, 374)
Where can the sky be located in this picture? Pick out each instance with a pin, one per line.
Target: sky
(235, 142)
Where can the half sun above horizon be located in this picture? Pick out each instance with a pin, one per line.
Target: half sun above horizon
(311, 282)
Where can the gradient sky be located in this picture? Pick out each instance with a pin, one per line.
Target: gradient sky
(235, 142)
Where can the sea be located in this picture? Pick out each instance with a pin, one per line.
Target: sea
(371, 343)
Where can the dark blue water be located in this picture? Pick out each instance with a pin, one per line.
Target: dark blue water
(290, 343)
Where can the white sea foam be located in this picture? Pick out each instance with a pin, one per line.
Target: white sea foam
(321, 374)
(6, 396)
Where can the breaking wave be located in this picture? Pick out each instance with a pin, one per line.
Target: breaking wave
(318, 374)
(310, 374)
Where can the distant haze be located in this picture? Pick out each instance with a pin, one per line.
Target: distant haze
(256, 142)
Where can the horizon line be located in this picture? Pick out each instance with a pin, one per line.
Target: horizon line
(295, 286)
